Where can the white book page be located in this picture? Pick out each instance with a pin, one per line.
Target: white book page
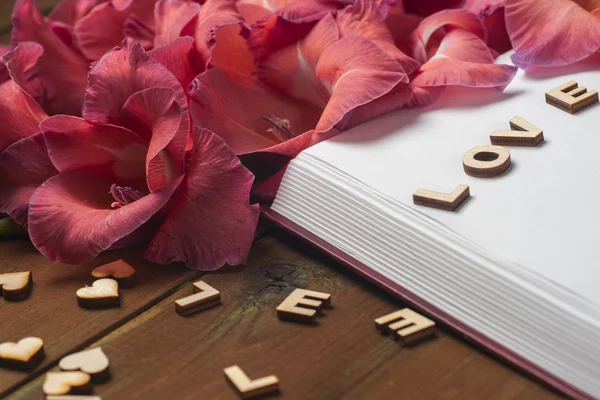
(543, 213)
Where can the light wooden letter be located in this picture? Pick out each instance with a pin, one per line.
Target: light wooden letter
(486, 161)
(443, 201)
(522, 133)
(206, 296)
(406, 325)
(311, 303)
(571, 98)
(250, 388)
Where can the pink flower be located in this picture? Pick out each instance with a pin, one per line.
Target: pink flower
(562, 33)
(123, 177)
(451, 47)
(491, 12)
(310, 74)
(24, 163)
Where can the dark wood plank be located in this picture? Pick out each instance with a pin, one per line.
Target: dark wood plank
(51, 312)
(162, 355)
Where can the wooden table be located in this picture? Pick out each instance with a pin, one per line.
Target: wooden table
(157, 354)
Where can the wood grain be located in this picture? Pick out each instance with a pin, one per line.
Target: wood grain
(161, 355)
(51, 312)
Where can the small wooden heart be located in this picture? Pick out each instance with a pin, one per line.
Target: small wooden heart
(16, 286)
(93, 362)
(61, 383)
(27, 354)
(119, 270)
(104, 293)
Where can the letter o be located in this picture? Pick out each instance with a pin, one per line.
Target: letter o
(486, 161)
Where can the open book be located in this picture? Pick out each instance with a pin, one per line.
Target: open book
(516, 268)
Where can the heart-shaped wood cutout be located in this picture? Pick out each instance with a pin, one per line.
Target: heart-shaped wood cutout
(16, 286)
(93, 362)
(119, 270)
(61, 383)
(104, 293)
(27, 354)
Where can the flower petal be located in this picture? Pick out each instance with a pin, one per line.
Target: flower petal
(234, 106)
(158, 118)
(220, 36)
(180, 58)
(429, 7)
(103, 27)
(119, 74)
(419, 42)
(70, 11)
(356, 71)
(62, 88)
(464, 59)
(292, 70)
(491, 12)
(171, 17)
(70, 219)
(364, 19)
(551, 36)
(100, 30)
(24, 166)
(213, 222)
(74, 143)
(19, 113)
(401, 24)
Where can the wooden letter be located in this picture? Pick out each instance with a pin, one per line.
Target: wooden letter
(61, 383)
(248, 388)
(406, 325)
(486, 161)
(119, 270)
(93, 362)
(443, 201)
(104, 293)
(25, 355)
(571, 98)
(522, 133)
(16, 286)
(206, 296)
(312, 302)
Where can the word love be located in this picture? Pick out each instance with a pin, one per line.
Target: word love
(489, 161)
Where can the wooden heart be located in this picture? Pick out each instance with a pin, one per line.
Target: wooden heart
(93, 362)
(119, 270)
(16, 286)
(104, 293)
(27, 354)
(61, 383)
